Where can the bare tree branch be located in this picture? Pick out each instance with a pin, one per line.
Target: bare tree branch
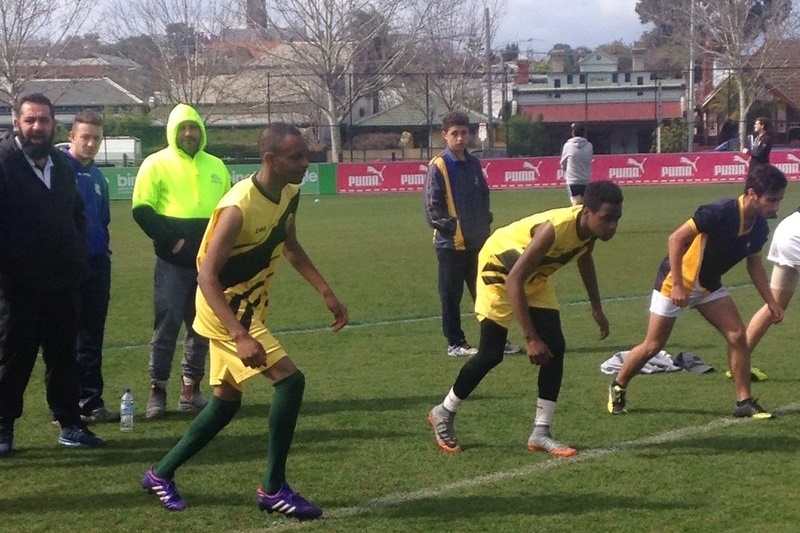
(182, 32)
(453, 54)
(346, 50)
(32, 31)
(745, 37)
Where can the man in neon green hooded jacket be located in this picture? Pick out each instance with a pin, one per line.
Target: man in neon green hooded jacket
(176, 191)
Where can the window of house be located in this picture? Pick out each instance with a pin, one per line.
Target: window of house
(615, 78)
(640, 80)
(557, 83)
(627, 77)
(583, 79)
(569, 79)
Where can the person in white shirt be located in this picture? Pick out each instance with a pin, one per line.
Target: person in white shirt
(576, 162)
(784, 251)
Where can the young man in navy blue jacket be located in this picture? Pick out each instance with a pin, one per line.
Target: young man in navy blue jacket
(95, 290)
(457, 208)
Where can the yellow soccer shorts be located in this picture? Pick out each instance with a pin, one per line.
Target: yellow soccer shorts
(226, 365)
(491, 301)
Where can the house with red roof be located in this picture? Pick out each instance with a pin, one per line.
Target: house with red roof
(777, 98)
(621, 106)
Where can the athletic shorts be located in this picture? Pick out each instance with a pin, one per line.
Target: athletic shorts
(784, 278)
(577, 189)
(226, 365)
(662, 305)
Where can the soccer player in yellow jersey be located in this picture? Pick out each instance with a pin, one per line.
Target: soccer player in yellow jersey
(515, 267)
(252, 226)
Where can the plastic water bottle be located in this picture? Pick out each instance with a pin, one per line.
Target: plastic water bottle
(126, 411)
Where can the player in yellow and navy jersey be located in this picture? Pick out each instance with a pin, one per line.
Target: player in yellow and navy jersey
(717, 237)
(252, 226)
(514, 280)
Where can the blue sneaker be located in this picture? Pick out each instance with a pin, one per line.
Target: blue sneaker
(6, 442)
(287, 502)
(165, 489)
(76, 436)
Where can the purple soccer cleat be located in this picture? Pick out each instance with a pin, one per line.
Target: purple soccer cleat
(166, 491)
(287, 502)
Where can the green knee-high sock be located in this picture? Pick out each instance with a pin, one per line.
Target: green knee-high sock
(282, 421)
(203, 428)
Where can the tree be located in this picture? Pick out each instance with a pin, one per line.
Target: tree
(673, 137)
(527, 137)
(326, 53)
(510, 52)
(453, 55)
(134, 123)
(31, 31)
(745, 36)
(174, 38)
(82, 46)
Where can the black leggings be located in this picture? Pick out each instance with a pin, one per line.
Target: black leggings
(490, 353)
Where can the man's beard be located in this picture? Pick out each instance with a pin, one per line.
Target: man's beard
(35, 151)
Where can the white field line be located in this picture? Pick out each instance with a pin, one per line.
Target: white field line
(398, 321)
(530, 470)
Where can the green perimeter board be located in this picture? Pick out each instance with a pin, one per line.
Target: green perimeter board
(320, 179)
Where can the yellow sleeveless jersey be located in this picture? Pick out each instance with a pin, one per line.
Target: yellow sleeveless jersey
(248, 272)
(504, 248)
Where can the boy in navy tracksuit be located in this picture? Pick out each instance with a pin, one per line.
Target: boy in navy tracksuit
(457, 208)
(85, 139)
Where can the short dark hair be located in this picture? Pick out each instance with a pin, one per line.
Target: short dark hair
(601, 192)
(455, 118)
(579, 129)
(34, 98)
(272, 135)
(764, 179)
(88, 116)
(765, 122)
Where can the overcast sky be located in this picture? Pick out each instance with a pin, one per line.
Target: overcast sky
(539, 24)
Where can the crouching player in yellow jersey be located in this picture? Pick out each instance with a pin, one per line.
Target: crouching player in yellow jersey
(250, 228)
(514, 270)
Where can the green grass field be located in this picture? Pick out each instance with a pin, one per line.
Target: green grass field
(677, 462)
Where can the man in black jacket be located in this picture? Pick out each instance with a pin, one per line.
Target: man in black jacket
(760, 143)
(42, 257)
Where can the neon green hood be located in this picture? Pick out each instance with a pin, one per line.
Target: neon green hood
(182, 113)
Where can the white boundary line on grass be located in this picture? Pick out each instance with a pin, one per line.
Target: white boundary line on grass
(397, 321)
(283, 524)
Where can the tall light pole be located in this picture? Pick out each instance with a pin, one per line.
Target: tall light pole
(488, 35)
(658, 116)
(690, 92)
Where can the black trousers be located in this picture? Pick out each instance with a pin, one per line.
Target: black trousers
(547, 323)
(456, 269)
(47, 320)
(95, 294)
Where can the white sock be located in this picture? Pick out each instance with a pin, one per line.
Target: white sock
(451, 402)
(544, 412)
